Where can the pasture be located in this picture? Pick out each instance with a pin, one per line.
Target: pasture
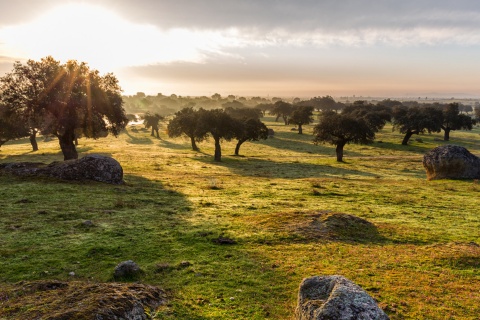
(421, 262)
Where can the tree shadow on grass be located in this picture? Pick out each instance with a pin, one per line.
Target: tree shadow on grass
(288, 170)
(302, 144)
(143, 221)
(135, 140)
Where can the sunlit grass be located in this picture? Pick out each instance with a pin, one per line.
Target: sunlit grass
(423, 264)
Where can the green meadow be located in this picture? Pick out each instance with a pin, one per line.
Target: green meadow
(421, 261)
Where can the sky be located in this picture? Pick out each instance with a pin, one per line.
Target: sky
(286, 48)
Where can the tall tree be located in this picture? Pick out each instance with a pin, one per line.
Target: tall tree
(416, 120)
(453, 120)
(301, 115)
(220, 126)
(67, 99)
(282, 109)
(185, 122)
(152, 120)
(250, 128)
(354, 126)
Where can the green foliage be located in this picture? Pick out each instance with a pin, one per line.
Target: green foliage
(416, 119)
(64, 100)
(301, 115)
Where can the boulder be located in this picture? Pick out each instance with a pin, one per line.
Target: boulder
(126, 269)
(451, 162)
(335, 297)
(91, 167)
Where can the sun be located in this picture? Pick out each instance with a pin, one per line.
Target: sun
(102, 38)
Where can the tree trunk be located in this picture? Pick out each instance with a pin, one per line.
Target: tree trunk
(339, 151)
(285, 119)
(156, 131)
(68, 147)
(300, 130)
(237, 147)
(276, 119)
(407, 137)
(194, 145)
(218, 150)
(33, 140)
(153, 132)
(446, 136)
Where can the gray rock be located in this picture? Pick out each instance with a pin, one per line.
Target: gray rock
(451, 162)
(126, 269)
(335, 298)
(91, 167)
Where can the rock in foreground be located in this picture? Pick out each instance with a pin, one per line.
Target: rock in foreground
(451, 162)
(91, 167)
(335, 297)
(58, 300)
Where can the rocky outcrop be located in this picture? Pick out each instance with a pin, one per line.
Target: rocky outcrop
(91, 167)
(451, 162)
(335, 297)
(58, 300)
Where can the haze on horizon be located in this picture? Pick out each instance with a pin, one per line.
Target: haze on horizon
(268, 48)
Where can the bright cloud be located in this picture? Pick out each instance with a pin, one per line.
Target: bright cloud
(105, 40)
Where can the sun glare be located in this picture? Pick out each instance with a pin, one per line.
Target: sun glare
(104, 39)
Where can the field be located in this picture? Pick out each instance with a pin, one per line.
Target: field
(422, 261)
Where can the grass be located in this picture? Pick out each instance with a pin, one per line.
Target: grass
(422, 263)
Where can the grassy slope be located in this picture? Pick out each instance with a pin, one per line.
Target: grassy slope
(424, 264)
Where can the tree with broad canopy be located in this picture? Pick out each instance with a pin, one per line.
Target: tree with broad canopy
(282, 109)
(250, 128)
(453, 120)
(356, 125)
(185, 122)
(152, 120)
(301, 115)
(220, 126)
(416, 120)
(65, 100)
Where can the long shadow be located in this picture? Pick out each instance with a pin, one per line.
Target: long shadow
(288, 170)
(89, 227)
(176, 146)
(135, 140)
(293, 141)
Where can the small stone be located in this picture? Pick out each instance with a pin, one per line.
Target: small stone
(71, 274)
(185, 264)
(126, 269)
(88, 223)
(232, 298)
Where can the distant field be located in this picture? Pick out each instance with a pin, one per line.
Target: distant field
(424, 262)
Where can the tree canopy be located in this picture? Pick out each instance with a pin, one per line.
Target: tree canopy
(282, 109)
(185, 122)
(453, 120)
(220, 126)
(416, 120)
(301, 115)
(358, 125)
(152, 120)
(64, 100)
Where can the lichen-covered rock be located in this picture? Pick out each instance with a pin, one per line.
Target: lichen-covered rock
(451, 162)
(335, 297)
(58, 300)
(91, 167)
(126, 269)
